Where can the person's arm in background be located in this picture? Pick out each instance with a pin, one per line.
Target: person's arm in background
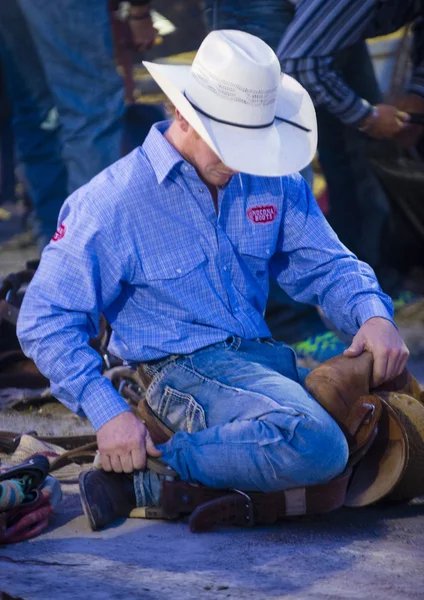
(313, 266)
(320, 29)
(413, 100)
(143, 32)
(80, 275)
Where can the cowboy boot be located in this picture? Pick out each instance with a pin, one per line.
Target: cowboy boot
(106, 497)
(342, 386)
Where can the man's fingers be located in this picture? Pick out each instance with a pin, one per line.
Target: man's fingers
(127, 463)
(105, 460)
(392, 369)
(380, 369)
(404, 117)
(355, 349)
(115, 461)
(401, 361)
(138, 456)
(150, 447)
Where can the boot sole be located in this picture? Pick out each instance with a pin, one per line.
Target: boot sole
(85, 503)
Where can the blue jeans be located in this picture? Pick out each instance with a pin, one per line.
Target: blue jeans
(36, 135)
(242, 420)
(74, 41)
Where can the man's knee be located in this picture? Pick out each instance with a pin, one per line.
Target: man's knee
(325, 450)
(316, 453)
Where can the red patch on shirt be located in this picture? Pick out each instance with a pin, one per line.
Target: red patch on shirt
(265, 213)
(59, 233)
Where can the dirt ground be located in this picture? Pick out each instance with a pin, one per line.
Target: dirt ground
(373, 553)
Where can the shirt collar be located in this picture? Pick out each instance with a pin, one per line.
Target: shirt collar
(162, 155)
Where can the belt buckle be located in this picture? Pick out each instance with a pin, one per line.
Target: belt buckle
(250, 517)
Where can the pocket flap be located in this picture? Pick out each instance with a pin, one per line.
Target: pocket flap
(172, 263)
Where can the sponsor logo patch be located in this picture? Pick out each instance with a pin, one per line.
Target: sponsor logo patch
(61, 230)
(265, 213)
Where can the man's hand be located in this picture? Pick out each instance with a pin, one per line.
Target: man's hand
(386, 123)
(142, 30)
(380, 337)
(410, 135)
(123, 444)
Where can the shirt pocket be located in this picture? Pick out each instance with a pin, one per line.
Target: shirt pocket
(172, 263)
(256, 254)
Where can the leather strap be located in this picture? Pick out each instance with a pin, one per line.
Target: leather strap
(144, 375)
(85, 453)
(9, 440)
(211, 507)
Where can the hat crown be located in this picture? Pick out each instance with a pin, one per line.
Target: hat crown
(234, 78)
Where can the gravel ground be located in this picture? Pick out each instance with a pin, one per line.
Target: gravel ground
(353, 553)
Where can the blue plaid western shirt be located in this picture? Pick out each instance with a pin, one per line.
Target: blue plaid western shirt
(142, 244)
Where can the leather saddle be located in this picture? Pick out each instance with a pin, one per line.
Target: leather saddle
(384, 428)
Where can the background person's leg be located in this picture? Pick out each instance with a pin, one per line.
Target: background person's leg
(74, 40)
(359, 210)
(37, 143)
(243, 420)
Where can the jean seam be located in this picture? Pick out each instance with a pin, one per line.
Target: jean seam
(193, 408)
(157, 378)
(193, 371)
(235, 344)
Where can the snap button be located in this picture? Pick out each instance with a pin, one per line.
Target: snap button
(201, 190)
(179, 271)
(267, 251)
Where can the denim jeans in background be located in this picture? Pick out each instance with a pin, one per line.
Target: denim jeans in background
(242, 420)
(74, 41)
(35, 128)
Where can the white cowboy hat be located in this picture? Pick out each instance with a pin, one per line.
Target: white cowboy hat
(255, 118)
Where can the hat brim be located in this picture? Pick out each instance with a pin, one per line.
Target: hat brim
(273, 151)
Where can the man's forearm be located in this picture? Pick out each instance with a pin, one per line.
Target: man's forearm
(328, 89)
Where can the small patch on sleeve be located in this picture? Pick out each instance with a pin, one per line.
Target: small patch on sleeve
(60, 233)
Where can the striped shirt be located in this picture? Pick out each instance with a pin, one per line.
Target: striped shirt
(142, 244)
(322, 28)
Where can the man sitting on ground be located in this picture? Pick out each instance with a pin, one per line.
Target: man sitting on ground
(173, 244)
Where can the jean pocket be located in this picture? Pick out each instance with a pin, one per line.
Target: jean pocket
(180, 411)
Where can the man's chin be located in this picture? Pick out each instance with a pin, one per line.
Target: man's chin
(223, 179)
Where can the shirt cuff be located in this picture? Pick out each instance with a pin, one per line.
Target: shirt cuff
(101, 402)
(360, 111)
(373, 308)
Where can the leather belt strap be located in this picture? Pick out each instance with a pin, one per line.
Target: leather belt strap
(144, 375)
(210, 507)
